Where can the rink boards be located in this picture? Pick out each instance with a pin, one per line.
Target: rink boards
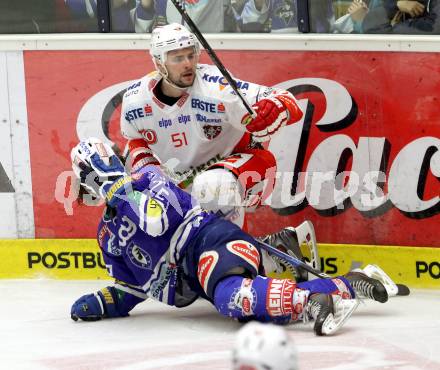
(363, 164)
(81, 259)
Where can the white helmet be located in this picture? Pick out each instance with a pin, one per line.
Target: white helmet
(96, 165)
(172, 36)
(264, 347)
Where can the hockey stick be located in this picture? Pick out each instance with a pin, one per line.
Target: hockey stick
(292, 260)
(400, 289)
(179, 6)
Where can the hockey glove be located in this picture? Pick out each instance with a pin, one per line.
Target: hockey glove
(100, 171)
(272, 114)
(93, 307)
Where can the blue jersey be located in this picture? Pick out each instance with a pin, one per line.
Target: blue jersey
(143, 239)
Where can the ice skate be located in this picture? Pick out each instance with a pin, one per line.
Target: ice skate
(367, 287)
(329, 312)
(289, 240)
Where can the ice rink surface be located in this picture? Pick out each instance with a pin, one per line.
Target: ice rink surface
(37, 333)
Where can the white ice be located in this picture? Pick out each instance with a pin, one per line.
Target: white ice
(36, 333)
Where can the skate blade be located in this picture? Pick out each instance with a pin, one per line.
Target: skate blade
(306, 235)
(343, 310)
(375, 272)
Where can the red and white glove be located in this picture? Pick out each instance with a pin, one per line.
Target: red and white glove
(140, 155)
(272, 113)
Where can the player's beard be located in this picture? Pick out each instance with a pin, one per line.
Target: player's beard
(180, 81)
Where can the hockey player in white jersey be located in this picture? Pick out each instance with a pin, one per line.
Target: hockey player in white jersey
(186, 117)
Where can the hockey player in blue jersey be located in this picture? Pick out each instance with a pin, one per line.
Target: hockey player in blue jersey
(158, 243)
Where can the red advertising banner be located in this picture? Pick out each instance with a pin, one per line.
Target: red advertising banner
(370, 138)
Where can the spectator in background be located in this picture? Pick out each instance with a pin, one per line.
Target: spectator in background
(27, 16)
(83, 15)
(284, 17)
(413, 17)
(281, 15)
(126, 15)
(209, 15)
(321, 16)
(252, 15)
(390, 16)
(364, 16)
(143, 15)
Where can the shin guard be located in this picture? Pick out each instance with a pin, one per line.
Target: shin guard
(262, 298)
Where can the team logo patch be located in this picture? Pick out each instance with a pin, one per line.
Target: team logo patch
(245, 250)
(150, 136)
(244, 299)
(139, 257)
(207, 263)
(279, 299)
(211, 132)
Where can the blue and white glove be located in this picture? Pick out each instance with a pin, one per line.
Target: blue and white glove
(93, 307)
(99, 170)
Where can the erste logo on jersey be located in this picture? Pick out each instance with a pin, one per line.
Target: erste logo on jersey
(206, 106)
(222, 82)
(207, 263)
(245, 250)
(148, 110)
(137, 113)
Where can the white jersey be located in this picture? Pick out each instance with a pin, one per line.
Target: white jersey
(200, 129)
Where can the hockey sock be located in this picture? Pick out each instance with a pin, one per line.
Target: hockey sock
(336, 286)
(264, 299)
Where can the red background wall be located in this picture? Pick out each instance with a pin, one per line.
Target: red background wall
(397, 96)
